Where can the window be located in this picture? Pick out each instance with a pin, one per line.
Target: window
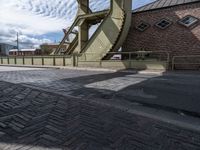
(142, 26)
(163, 24)
(188, 21)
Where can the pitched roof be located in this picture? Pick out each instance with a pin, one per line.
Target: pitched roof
(23, 50)
(158, 4)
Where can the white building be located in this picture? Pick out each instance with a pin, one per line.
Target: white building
(24, 52)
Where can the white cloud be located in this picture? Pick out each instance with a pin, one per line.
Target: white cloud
(31, 18)
(33, 42)
(34, 18)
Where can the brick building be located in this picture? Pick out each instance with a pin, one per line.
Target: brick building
(166, 25)
(47, 49)
(24, 52)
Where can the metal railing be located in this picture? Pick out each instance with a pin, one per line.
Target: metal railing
(186, 60)
(126, 58)
(138, 55)
(35, 60)
(118, 59)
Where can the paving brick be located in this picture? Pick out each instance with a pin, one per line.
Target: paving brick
(3, 125)
(39, 114)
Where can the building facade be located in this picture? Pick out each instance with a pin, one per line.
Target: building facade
(4, 49)
(172, 26)
(25, 52)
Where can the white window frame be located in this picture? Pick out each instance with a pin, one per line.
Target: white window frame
(188, 25)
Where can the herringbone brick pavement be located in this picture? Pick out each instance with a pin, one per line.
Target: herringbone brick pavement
(32, 119)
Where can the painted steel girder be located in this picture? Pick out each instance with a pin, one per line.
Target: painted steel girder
(110, 35)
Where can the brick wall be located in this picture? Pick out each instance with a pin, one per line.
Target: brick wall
(176, 39)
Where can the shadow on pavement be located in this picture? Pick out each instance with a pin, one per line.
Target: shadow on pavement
(34, 119)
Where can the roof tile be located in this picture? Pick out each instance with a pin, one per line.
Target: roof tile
(163, 4)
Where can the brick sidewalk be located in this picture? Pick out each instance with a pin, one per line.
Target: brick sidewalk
(175, 92)
(33, 119)
(84, 110)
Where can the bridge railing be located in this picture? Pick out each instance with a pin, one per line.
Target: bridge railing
(121, 60)
(36, 60)
(138, 55)
(139, 59)
(187, 62)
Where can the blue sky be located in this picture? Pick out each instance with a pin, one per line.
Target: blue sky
(42, 21)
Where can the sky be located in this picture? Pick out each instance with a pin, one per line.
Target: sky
(42, 21)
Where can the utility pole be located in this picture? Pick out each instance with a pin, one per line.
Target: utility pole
(18, 43)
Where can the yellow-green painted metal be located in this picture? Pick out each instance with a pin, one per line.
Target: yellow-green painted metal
(90, 18)
(152, 64)
(112, 32)
(109, 36)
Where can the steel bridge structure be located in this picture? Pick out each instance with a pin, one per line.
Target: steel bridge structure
(109, 36)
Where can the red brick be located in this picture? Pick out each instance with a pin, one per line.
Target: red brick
(176, 39)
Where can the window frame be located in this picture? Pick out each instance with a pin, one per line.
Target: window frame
(143, 22)
(163, 19)
(185, 25)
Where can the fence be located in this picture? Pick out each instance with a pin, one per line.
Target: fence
(121, 60)
(136, 60)
(189, 62)
(37, 60)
